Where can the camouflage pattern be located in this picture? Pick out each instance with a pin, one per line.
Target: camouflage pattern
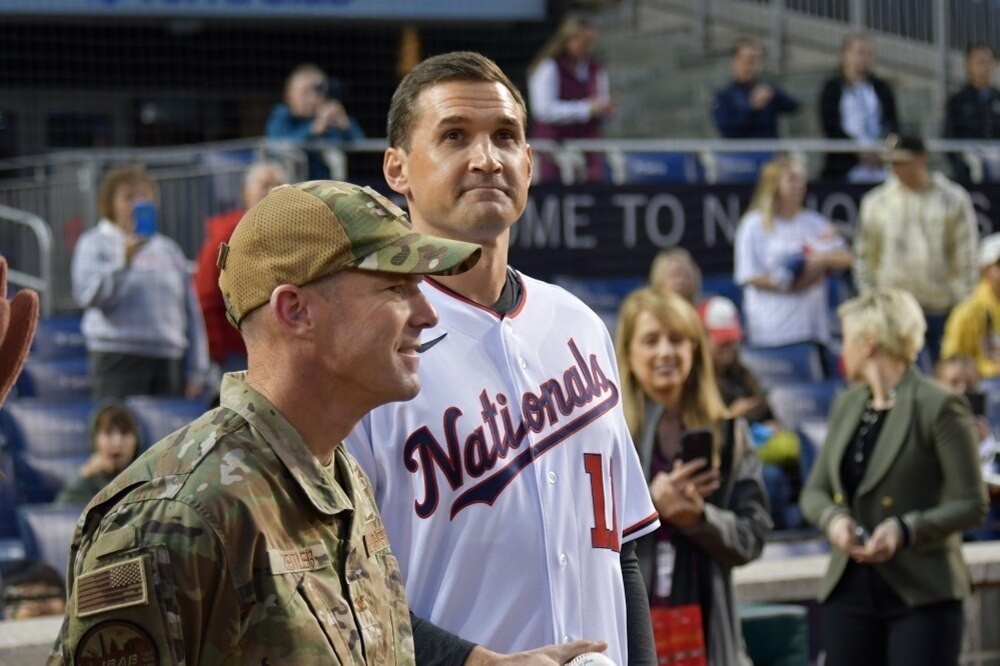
(300, 233)
(228, 543)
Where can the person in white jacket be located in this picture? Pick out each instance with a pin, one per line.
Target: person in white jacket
(142, 324)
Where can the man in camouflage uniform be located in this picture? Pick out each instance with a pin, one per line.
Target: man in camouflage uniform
(250, 535)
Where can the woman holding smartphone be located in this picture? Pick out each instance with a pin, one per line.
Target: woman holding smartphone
(141, 321)
(896, 482)
(704, 477)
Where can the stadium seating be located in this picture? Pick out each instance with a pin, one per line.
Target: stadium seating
(722, 284)
(160, 416)
(812, 435)
(799, 362)
(47, 531)
(55, 379)
(794, 404)
(48, 441)
(58, 337)
(637, 168)
(735, 167)
(8, 497)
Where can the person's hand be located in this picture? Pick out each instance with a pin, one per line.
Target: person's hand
(743, 406)
(192, 389)
(882, 545)
(602, 107)
(132, 245)
(676, 497)
(550, 655)
(336, 115)
(705, 482)
(97, 464)
(761, 96)
(842, 533)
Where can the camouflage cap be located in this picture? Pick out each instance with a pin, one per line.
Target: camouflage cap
(300, 233)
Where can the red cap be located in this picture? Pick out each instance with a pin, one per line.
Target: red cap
(721, 319)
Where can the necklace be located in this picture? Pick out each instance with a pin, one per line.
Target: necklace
(871, 424)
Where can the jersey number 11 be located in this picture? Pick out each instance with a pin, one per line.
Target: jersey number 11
(600, 535)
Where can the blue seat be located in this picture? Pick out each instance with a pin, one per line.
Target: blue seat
(160, 416)
(799, 362)
(47, 531)
(48, 441)
(793, 404)
(722, 284)
(812, 435)
(58, 337)
(643, 167)
(8, 496)
(55, 379)
(738, 167)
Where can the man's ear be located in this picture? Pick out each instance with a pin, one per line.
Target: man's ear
(395, 171)
(290, 306)
(531, 162)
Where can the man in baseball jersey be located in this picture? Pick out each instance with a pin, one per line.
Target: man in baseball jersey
(510, 488)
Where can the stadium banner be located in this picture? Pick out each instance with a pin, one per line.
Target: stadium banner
(616, 230)
(437, 10)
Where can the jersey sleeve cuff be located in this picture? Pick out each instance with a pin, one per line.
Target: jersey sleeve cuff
(641, 528)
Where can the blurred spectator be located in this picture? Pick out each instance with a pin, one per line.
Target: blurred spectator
(896, 482)
(225, 344)
(974, 111)
(313, 110)
(856, 104)
(748, 108)
(714, 513)
(745, 398)
(32, 589)
(782, 256)
(142, 324)
(114, 441)
(959, 375)
(918, 232)
(973, 327)
(674, 270)
(569, 93)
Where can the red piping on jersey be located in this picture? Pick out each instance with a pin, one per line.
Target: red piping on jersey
(454, 294)
(645, 522)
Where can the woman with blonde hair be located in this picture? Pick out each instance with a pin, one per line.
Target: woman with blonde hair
(896, 482)
(569, 94)
(674, 269)
(782, 255)
(711, 499)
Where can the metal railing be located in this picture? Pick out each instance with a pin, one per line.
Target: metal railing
(196, 182)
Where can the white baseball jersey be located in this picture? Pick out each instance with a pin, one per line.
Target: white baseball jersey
(508, 485)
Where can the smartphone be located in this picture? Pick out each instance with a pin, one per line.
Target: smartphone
(145, 218)
(977, 402)
(696, 444)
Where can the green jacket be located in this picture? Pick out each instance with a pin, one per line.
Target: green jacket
(228, 543)
(924, 469)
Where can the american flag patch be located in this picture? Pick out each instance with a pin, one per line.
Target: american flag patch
(116, 586)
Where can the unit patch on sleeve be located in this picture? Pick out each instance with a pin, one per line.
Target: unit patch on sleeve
(117, 643)
(116, 586)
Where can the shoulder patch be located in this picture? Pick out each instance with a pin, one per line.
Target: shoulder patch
(115, 586)
(116, 642)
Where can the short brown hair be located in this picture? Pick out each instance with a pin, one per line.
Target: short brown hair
(114, 179)
(112, 415)
(455, 66)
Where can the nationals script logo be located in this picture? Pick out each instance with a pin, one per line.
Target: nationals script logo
(583, 396)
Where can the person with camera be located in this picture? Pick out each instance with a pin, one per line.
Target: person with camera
(141, 322)
(704, 476)
(896, 482)
(313, 110)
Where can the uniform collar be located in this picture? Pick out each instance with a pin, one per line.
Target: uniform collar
(316, 483)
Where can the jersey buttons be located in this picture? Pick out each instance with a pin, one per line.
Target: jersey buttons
(563, 560)
(552, 477)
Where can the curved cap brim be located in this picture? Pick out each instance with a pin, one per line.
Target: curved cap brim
(421, 254)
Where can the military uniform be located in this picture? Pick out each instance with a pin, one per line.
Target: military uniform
(228, 542)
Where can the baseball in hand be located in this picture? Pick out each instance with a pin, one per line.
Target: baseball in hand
(592, 659)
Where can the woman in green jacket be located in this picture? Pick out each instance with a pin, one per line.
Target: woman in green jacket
(896, 482)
